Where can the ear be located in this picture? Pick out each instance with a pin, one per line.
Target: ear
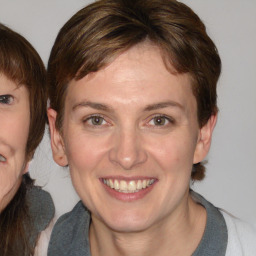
(57, 144)
(204, 139)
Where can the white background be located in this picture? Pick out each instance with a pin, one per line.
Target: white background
(231, 172)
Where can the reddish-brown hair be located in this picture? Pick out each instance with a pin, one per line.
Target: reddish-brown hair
(101, 31)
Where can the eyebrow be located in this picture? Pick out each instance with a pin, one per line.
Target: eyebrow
(151, 107)
(163, 105)
(94, 105)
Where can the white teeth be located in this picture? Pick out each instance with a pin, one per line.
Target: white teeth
(131, 186)
(139, 184)
(116, 185)
(111, 184)
(2, 159)
(123, 185)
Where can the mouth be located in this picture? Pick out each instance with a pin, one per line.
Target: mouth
(2, 158)
(131, 186)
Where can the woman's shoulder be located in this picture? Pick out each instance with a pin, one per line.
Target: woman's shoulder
(41, 212)
(41, 207)
(241, 236)
(74, 216)
(70, 233)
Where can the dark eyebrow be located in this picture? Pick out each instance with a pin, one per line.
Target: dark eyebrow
(151, 107)
(94, 105)
(163, 105)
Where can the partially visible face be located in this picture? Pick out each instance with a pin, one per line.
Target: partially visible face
(130, 137)
(14, 129)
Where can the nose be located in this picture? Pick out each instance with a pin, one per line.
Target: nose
(127, 150)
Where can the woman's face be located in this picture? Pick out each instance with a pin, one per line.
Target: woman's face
(130, 137)
(14, 128)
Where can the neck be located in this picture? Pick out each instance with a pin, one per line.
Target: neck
(173, 235)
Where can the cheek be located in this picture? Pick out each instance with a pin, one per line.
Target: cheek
(19, 130)
(22, 137)
(84, 153)
(174, 153)
(7, 180)
(9, 183)
(10, 174)
(14, 133)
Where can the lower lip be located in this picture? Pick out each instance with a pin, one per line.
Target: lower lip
(128, 197)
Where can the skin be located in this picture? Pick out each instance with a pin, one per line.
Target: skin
(14, 128)
(145, 127)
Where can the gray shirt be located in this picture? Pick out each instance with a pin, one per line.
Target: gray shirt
(41, 212)
(70, 236)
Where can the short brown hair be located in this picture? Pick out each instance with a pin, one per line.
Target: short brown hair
(102, 30)
(20, 62)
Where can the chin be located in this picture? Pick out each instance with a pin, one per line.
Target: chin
(127, 221)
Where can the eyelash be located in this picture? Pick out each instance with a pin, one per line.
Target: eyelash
(6, 99)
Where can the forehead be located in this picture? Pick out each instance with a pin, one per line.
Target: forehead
(140, 72)
(8, 86)
(5, 81)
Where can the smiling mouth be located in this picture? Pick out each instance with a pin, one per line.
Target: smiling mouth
(132, 186)
(2, 158)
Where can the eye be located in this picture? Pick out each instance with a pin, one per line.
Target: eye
(6, 99)
(95, 120)
(160, 120)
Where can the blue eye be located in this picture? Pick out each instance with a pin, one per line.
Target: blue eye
(6, 99)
